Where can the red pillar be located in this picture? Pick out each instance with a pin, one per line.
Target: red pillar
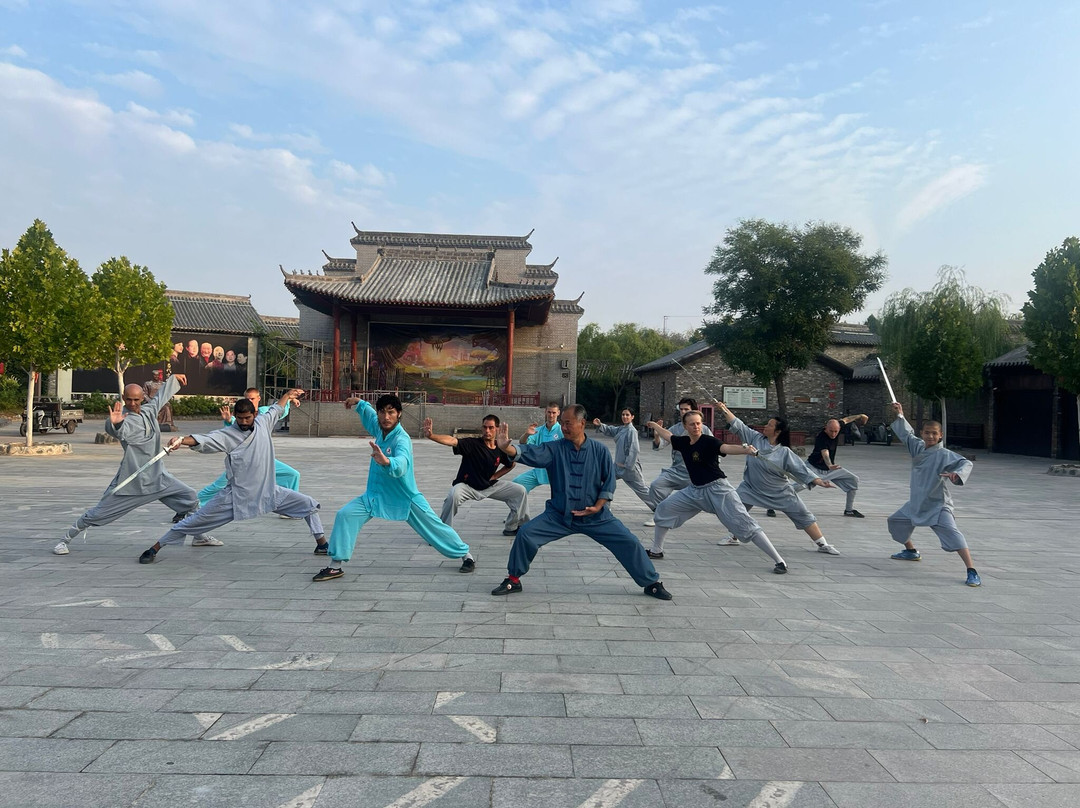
(352, 355)
(335, 361)
(510, 351)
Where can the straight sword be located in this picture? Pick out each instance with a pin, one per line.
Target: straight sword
(142, 468)
(885, 376)
(697, 381)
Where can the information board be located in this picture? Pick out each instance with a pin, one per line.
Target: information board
(745, 398)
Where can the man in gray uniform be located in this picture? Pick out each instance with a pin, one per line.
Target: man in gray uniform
(674, 477)
(627, 453)
(249, 466)
(135, 424)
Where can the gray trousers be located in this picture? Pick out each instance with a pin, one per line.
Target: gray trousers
(949, 535)
(634, 480)
(669, 481)
(219, 511)
(175, 495)
(845, 481)
(515, 496)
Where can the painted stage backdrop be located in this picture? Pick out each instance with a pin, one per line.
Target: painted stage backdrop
(438, 359)
(215, 365)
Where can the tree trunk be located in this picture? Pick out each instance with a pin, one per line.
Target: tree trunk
(119, 369)
(781, 402)
(1078, 416)
(30, 409)
(944, 423)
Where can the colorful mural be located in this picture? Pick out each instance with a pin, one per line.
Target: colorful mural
(435, 358)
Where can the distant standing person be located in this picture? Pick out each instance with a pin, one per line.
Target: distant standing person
(627, 452)
(930, 503)
(823, 458)
(165, 414)
(534, 435)
(480, 475)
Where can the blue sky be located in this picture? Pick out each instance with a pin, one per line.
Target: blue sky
(214, 141)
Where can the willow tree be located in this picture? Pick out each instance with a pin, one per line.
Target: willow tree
(1052, 317)
(940, 340)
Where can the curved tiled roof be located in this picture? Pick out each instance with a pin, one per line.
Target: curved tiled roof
(220, 314)
(285, 327)
(387, 239)
(1017, 357)
(566, 307)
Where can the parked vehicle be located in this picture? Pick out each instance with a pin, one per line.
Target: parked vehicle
(52, 414)
(879, 433)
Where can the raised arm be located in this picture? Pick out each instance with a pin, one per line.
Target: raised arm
(738, 449)
(445, 440)
(502, 440)
(862, 419)
(530, 430)
(659, 430)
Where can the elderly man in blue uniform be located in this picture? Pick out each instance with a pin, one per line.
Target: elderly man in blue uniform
(135, 424)
(391, 492)
(534, 435)
(582, 483)
(249, 466)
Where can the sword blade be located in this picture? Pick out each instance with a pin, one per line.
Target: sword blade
(885, 376)
(141, 469)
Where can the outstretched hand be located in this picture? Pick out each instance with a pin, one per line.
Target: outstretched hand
(596, 422)
(377, 454)
(180, 377)
(530, 430)
(351, 402)
(502, 436)
(588, 511)
(425, 428)
(951, 476)
(116, 414)
(175, 444)
(898, 409)
(225, 412)
(821, 483)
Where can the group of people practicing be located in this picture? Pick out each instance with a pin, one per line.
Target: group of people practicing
(581, 473)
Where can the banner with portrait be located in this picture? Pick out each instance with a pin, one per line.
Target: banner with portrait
(439, 359)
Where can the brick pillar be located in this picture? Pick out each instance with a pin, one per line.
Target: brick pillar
(335, 358)
(510, 351)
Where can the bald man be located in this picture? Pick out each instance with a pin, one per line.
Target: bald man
(134, 422)
(823, 459)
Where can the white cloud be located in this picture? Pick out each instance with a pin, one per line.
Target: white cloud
(135, 81)
(14, 51)
(368, 175)
(174, 117)
(300, 142)
(954, 184)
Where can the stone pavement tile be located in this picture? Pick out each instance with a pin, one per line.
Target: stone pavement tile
(638, 634)
(102, 698)
(228, 791)
(1067, 732)
(500, 704)
(606, 664)
(791, 637)
(360, 702)
(650, 763)
(607, 706)
(848, 765)
(56, 790)
(1017, 712)
(308, 727)
(851, 669)
(850, 735)
(317, 680)
(24, 723)
(179, 757)
(48, 754)
(522, 682)
(1041, 673)
(429, 728)
(939, 672)
(895, 687)
(568, 620)
(681, 685)
(502, 662)
(797, 649)
(523, 792)
(480, 682)
(19, 695)
(1037, 796)
(977, 656)
(51, 676)
(995, 736)
(907, 710)
(559, 647)
(872, 653)
(1030, 691)
(909, 795)
(386, 661)
(134, 726)
(285, 757)
(755, 793)
(707, 732)
(764, 707)
(180, 678)
(511, 632)
(494, 760)
(1064, 767)
(235, 701)
(453, 792)
(603, 731)
(953, 766)
(800, 686)
(724, 667)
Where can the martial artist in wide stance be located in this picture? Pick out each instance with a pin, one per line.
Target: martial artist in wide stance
(930, 503)
(627, 453)
(391, 492)
(708, 491)
(135, 424)
(249, 467)
(582, 483)
(534, 435)
(766, 481)
(480, 475)
(823, 458)
(674, 477)
(284, 475)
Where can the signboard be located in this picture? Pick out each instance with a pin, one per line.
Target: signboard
(745, 398)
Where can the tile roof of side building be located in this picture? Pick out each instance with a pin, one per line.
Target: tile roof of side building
(285, 327)
(208, 311)
(451, 240)
(1017, 357)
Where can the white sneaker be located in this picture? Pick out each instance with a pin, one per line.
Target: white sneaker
(730, 541)
(828, 548)
(206, 541)
(650, 522)
(61, 549)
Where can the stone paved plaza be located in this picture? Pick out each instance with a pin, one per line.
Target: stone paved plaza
(226, 677)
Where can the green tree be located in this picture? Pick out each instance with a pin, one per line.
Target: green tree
(48, 309)
(1052, 317)
(778, 292)
(606, 360)
(940, 340)
(136, 318)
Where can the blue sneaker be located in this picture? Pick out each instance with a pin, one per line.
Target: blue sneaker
(973, 578)
(907, 555)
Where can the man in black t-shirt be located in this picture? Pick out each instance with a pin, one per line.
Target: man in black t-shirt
(823, 459)
(480, 474)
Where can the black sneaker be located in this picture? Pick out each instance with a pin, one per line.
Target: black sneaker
(322, 549)
(328, 574)
(148, 556)
(507, 532)
(657, 591)
(770, 512)
(780, 568)
(854, 513)
(651, 554)
(507, 587)
(467, 565)
(179, 517)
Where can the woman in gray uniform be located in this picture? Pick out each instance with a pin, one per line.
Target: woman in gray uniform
(627, 453)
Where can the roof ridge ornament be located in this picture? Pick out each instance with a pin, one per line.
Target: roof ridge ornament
(526, 236)
(357, 229)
